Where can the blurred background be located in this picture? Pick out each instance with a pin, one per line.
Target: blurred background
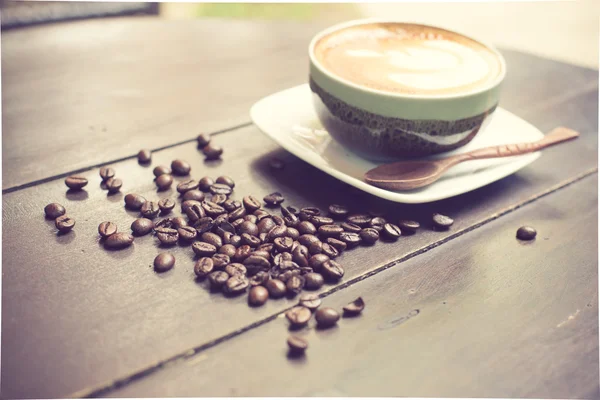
(561, 30)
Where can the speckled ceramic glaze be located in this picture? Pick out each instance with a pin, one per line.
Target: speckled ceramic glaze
(385, 126)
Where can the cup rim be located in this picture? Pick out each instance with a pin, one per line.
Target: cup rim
(365, 21)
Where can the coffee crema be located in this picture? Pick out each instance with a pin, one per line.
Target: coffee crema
(408, 59)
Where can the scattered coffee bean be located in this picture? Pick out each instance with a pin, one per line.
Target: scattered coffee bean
(332, 270)
(350, 238)
(226, 180)
(64, 223)
(260, 278)
(134, 201)
(265, 225)
(76, 182)
(338, 244)
(391, 231)
(167, 236)
(212, 209)
(276, 288)
(166, 205)
(142, 226)
(144, 156)
(179, 222)
(203, 249)
(294, 285)
(316, 261)
(313, 281)
(369, 236)
(442, 222)
(258, 296)
(236, 241)
(276, 164)
(235, 269)
(306, 227)
(106, 173)
(164, 223)
(186, 186)
(250, 240)
(338, 211)
(105, 229)
(277, 231)
(247, 227)
(350, 227)
(212, 238)
(150, 209)
(318, 220)
(212, 152)
(307, 239)
(355, 307)
(193, 194)
(195, 211)
(316, 247)
(241, 253)
(164, 182)
(205, 183)
(329, 250)
(300, 256)
(203, 140)
(298, 316)
(161, 170)
(119, 240)
(164, 262)
(54, 210)
(361, 220)
(274, 199)
(217, 279)
(377, 221)
(283, 244)
(297, 345)
(180, 167)
(251, 203)
(526, 233)
(221, 260)
(203, 267)
(187, 233)
(113, 185)
(231, 205)
(330, 230)
(326, 317)
(278, 220)
(310, 301)
(236, 284)
(221, 188)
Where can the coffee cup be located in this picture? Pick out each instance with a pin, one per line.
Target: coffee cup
(388, 90)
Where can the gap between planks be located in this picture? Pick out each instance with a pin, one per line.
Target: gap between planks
(112, 385)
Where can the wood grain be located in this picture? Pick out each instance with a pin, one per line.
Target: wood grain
(496, 318)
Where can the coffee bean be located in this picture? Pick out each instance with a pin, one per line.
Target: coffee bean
(278, 231)
(167, 236)
(247, 227)
(338, 211)
(526, 233)
(350, 238)
(54, 210)
(164, 182)
(292, 233)
(166, 205)
(377, 222)
(300, 256)
(319, 220)
(279, 258)
(180, 167)
(161, 170)
(186, 186)
(250, 240)
(260, 214)
(276, 288)
(313, 281)
(195, 211)
(283, 244)
(315, 247)
(134, 201)
(297, 346)
(113, 185)
(391, 231)
(250, 218)
(330, 251)
(442, 222)
(231, 205)
(337, 244)
(307, 239)
(274, 199)
(204, 224)
(106, 228)
(354, 308)
(226, 180)
(235, 269)
(144, 156)
(212, 152)
(187, 204)
(316, 261)
(187, 233)
(298, 316)
(326, 317)
(221, 260)
(142, 226)
(313, 211)
(310, 301)
(76, 182)
(203, 249)
(106, 173)
(219, 199)
(268, 247)
(119, 240)
(203, 140)
(330, 230)
(361, 220)
(164, 262)
(350, 227)
(369, 236)
(261, 253)
(236, 284)
(203, 267)
(193, 194)
(294, 285)
(205, 183)
(241, 253)
(64, 223)
(306, 227)
(150, 209)
(255, 263)
(236, 241)
(212, 238)
(228, 249)
(217, 279)
(332, 270)
(223, 228)
(265, 225)
(220, 188)
(164, 223)
(251, 203)
(278, 220)
(276, 164)
(258, 296)
(213, 209)
(179, 222)
(221, 222)
(260, 278)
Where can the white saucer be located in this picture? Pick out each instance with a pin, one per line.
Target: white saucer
(289, 119)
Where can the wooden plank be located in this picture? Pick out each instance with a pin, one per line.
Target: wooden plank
(496, 318)
(77, 317)
(159, 82)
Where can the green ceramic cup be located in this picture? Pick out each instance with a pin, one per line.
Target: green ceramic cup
(385, 126)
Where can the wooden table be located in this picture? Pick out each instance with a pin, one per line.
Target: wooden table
(468, 312)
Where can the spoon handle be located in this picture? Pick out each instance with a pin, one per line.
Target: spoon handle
(556, 136)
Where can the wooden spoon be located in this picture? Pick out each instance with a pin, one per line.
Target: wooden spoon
(406, 175)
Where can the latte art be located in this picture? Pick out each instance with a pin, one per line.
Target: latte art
(408, 58)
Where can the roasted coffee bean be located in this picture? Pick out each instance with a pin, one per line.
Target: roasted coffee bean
(247, 227)
(194, 194)
(307, 239)
(161, 170)
(235, 269)
(226, 180)
(236, 284)
(144, 156)
(203, 140)
(212, 152)
(223, 228)
(294, 285)
(221, 219)
(212, 238)
(142, 226)
(217, 279)
(164, 223)
(260, 278)
(186, 186)
(316, 261)
(119, 240)
(377, 221)
(226, 236)
(276, 164)
(218, 199)
(179, 222)
(180, 167)
(264, 238)
(237, 213)
(313, 281)
(284, 256)
(251, 203)
(236, 240)
(220, 188)
(526, 233)
(332, 270)
(300, 256)
(261, 253)
(255, 263)
(228, 250)
(298, 316)
(134, 201)
(292, 233)
(310, 301)
(187, 233)
(221, 260)
(265, 225)
(64, 223)
(251, 218)
(285, 265)
(203, 249)
(330, 231)
(54, 210)
(268, 247)
(166, 205)
(150, 209)
(278, 231)
(442, 222)
(288, 212)
(164, 262)
(297, 345)
(187, 204)
(306, 227)
(276, 288)
(350, 238)
(391, 231)
(350, 227)
(113, 185)
(260, 214)
(361, 220)
(369, 236)
(76, 182)
(236, 224)
(250, 240)
(278, 220)
(212, 209)
(283, 244)
(203, 267)
(303, 216)
(167, 236)
(326, 317)
(241, 253)
(164, 182)
(274, 199)
(194, 212)
(204, 224)
(105, 229)
(354, 308)
(315, 247)
(258, 295)
(338, 211)
(314, 211)
(106, 173)
(318, 220)
(205, 183)
(231, 205)
(329, 251)
(338, 244)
